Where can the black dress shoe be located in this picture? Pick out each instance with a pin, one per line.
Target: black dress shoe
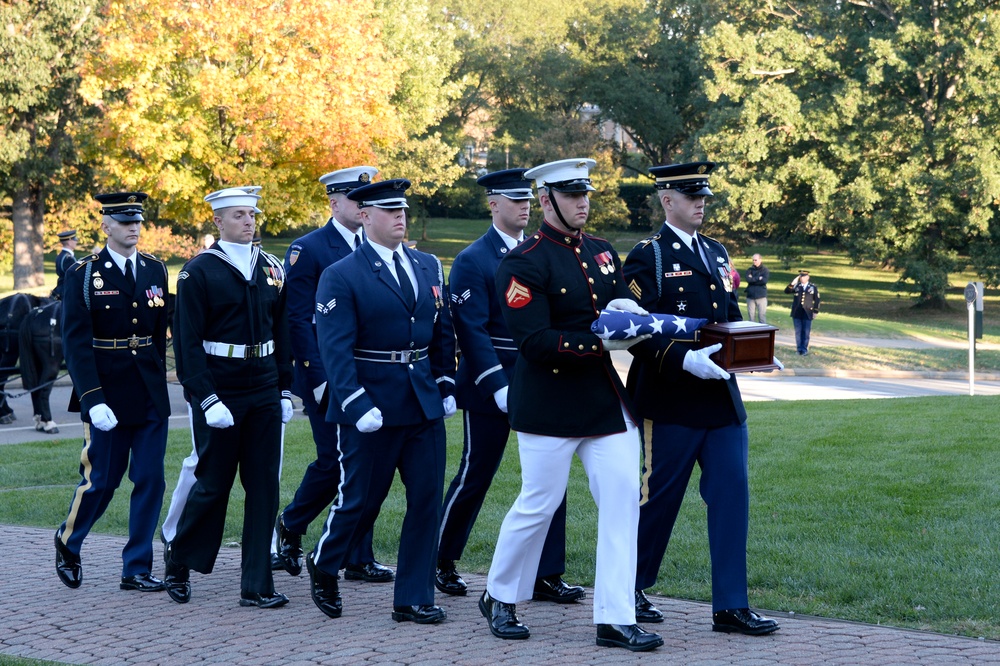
(289, 549)
(325, 589)
(422, 614)
(370, 572)
(629, 636)
(743, 621)
(68, 566)
(143, 582)
(645, 611)
(554, 588)
(176, 578)
(273, 600)
(276, 563)
(448, 581)
(502, 618)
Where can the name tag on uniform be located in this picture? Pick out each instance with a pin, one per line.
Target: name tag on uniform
(114, 292)
(677, 274)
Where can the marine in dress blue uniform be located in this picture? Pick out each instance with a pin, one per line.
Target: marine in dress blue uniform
(388, 348)
(306, 259)
(234, 361)
(64, 260)
(114, 339)
(693, 410)
(566, 398)
(484, 370)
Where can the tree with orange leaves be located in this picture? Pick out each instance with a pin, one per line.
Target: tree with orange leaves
(196, 96)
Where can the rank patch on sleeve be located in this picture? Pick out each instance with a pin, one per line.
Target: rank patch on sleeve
(634, 287)
(325, 308)
(517, 294)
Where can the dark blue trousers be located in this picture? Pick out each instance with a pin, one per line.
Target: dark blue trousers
(252, 447)
(321, 483)
(103, 461)
(802, 329)
(486, 438)
(370, 461)
(670, 452)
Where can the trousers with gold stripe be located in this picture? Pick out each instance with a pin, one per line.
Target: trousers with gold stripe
(669, 455)
(105, 457)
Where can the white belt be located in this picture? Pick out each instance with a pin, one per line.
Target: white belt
(239, 351)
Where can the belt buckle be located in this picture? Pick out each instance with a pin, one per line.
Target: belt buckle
(252, 351)
(405, 356)
(133, 342)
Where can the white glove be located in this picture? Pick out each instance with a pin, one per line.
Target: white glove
(318, 392)
(286, 410)
(698, 363)
(219, 416)
(449, 406)
(626, 305)
(620, 345)
(371, 421)
(500, 395)
(102, 418)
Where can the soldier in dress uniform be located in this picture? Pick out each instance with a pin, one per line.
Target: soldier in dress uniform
(234, 361)
(484, 371)
(305, 261)
(692, 408)
(114, 331)
(388, 347)
(565, 398)
(64, 259)
(805, 306)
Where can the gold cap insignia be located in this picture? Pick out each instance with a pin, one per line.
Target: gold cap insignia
(365, 178)
(702, 169)
(131, 199)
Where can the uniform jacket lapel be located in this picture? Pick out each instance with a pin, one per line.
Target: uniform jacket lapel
(679, 254)
(424, 280)
(384, 272)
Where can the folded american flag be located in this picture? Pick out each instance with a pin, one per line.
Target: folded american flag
(618, 325)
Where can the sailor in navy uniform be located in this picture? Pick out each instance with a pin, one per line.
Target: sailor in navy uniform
(114, 331)
(64, 260)
(305, 261)
(388, 347)
(692, 408)
(566, 398)
(484, 370)
(234, 361)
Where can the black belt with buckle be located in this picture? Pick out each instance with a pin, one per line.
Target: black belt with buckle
(404, 356)
(123, 343)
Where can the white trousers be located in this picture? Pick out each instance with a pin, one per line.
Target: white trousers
(612, 466)
(185, 481)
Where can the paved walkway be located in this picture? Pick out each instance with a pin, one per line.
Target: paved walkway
(99, 624)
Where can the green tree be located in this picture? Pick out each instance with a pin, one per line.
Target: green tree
(41, 46)
(870, 121)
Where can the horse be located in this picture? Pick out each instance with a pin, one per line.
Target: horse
(41, 360)
(13, 310)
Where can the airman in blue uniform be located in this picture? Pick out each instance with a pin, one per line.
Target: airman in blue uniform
(306, 259)
(484, 371)
(388, 348)
(692, 408)
(114, 338)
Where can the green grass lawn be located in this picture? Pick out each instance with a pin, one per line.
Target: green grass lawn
(881, 511)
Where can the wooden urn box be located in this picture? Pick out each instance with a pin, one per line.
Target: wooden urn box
(746, 345)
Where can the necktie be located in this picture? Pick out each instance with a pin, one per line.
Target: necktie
(357, 241)
(697, 252)
(404, 279)
(129, 277)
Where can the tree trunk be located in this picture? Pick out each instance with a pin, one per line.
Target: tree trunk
(28, 214)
